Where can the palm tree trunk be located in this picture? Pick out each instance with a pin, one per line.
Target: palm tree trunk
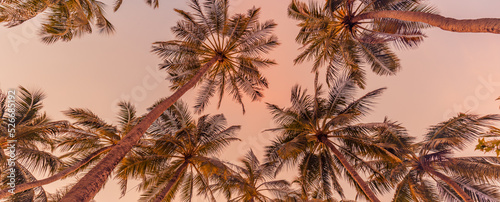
(171, 182)
(92, 182)
(22, 187)
(361, 183)
(490, 25)
(452, 183)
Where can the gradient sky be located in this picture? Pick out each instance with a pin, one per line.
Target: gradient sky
(447, 74)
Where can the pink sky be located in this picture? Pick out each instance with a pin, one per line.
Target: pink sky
(447, 74)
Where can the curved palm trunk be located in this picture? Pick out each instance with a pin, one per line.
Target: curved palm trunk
(92, 182)
(452, 183)
(53, 178)
(490, 25)
(171, 182)
(361, 183)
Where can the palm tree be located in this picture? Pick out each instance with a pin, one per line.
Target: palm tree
(490, 144)
(93, 138)
(85, 143)
(388, 10)
(322, 135)
(428, 170)
(64, 19)
(329, 38)
(347, 34)
(28, 151)
(220, 52)
(251, 181)
(182, 156)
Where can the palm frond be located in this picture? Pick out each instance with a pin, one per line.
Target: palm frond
(457, 131)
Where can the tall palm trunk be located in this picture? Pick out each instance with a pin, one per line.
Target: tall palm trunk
(171, 182)
(361, 183)
(491, 25)
(58, 176)
(92, 182)
(452, 183)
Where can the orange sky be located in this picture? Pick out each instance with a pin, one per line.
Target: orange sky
(447, 74)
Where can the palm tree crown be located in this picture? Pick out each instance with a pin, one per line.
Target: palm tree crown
(92, 138)
(64, 20)
(232, 45)
(428, 170)
(251, 181)
(322, 135)
(346, 34)
(34, 138)
(330, 36)
(84, 143)
(181, 156)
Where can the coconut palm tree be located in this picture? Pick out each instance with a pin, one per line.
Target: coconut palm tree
(93, 138)
(429, 171)
(219, 52)
(64, 20)
(85, 143)
(489, 145)
(251, 182)
(322, 135)
(330, 39)
(28, 151)
(181, 157)
(391, 10)
(348, 34)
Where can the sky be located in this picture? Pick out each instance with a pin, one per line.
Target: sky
(447, 74)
